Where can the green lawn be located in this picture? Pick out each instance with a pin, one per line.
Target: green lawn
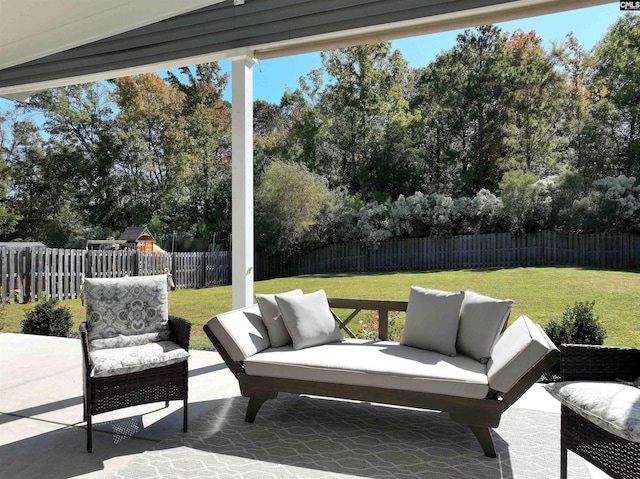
(540, 293)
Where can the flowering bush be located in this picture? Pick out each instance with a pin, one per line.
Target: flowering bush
(612, 205)
(487, 210)
(421, 215)
(368, 331)
(369, 325)
(372, 224)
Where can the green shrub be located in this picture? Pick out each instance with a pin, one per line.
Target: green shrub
(578, 326)
(48, 319)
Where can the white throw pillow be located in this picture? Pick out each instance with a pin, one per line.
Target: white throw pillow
(308, 319)
(272, 319)
(432, 320)
(481, 321)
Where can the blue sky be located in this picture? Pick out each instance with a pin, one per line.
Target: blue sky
(588, 25)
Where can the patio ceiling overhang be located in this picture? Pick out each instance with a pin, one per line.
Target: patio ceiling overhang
(53, 43)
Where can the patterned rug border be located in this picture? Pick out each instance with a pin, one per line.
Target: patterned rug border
(303, 436)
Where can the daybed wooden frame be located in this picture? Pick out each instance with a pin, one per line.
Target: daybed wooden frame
(478, 414)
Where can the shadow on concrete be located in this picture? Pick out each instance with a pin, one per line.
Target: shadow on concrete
(61, 452)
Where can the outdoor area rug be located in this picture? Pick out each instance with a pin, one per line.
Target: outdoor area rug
(308, 437)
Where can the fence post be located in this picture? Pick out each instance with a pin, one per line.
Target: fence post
(87, 264)
(5, 254)
(20, 273)
(11, 282)
(203, 270)
(540, 255)
(626, 250)
(135, 267)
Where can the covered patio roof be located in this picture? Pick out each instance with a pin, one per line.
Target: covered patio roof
(53, 43)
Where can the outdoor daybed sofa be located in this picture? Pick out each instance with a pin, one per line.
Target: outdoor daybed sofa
(454, 356)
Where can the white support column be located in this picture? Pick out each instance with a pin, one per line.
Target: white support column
(242, 242)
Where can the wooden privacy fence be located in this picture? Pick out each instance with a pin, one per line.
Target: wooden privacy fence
(58, 273)
(459, 252)
(27, 272)
(195, 270)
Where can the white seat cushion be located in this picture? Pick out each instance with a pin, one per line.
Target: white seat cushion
(382, 364)
(113, 362)
(613, 406)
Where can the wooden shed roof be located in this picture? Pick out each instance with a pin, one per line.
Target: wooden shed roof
(134, 234)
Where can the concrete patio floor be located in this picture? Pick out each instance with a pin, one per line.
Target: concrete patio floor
(41, 429)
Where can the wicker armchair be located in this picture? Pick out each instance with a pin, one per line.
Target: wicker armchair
(134, 353)
(618, 457)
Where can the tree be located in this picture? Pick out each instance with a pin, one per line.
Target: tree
(576, 125)
(39, 197)
(535, 90)
(527, 203)
(8, 216)
(308, 130)
(482, 56)
(205, 120)
(365, 92)
(272, 135)
(289, 199)
(463, 100)
(82, 150)
(616, 79)
(440, 135)
(152, 164)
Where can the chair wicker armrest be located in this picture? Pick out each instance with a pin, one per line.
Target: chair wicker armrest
(180, 331)
(598, 363)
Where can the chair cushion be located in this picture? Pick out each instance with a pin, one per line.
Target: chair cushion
(432, 320)
(126, 306)
(481, 321)
(116, 361)
(272, 319)
(613, 406)
(308, 319)
(122, 341)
